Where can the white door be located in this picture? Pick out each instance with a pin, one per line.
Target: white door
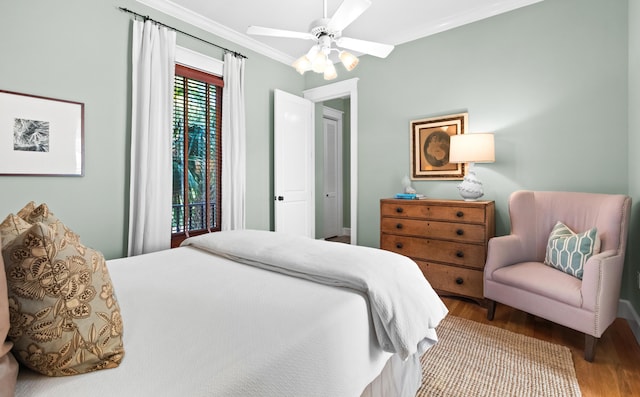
(332, 208)
(294, 208)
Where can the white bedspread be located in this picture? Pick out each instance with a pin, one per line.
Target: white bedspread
(196, 324)
(404, 307)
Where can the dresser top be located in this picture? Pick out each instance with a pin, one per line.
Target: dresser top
(436, 201)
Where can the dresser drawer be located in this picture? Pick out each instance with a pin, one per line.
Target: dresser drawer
(450, 213)
(453, 279)
(471, 255)
(434, 229)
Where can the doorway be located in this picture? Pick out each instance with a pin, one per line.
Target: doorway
(332, 173)
(345, 89)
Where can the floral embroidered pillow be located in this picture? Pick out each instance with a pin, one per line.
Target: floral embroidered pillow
(26, 210)
(65, 319)
(11, 227)
(8, 364)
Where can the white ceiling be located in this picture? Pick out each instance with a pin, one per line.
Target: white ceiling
(391, 22)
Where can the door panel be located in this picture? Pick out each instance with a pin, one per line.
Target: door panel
(293, 164)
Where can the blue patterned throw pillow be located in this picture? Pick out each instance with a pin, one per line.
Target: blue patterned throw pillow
(569, 251)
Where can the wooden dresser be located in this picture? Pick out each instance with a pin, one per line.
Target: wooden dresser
(447, 239)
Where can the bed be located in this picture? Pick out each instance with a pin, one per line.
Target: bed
(227, 315)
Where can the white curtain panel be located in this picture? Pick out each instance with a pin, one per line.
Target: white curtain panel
(233, 144)
(153, 55)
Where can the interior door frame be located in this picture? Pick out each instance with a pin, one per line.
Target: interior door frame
(337, 116)
(343, 89)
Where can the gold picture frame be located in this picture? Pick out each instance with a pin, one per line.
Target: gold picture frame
(430, 147)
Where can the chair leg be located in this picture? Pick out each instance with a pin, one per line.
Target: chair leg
(491, 309)
(590, 347)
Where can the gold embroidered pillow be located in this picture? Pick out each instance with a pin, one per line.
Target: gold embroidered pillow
(8, 364)
(12, 227)
(65, 319)
(27, 210)
(40, 213)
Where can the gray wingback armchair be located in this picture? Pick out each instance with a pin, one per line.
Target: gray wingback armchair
(515, 274)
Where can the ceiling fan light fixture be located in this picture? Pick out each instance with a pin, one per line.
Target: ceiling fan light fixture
(349, 60)
(302, 64)
(319, 62)
(313, 51)
(330, 72)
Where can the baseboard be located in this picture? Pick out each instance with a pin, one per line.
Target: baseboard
(626, 311)
(346, 231)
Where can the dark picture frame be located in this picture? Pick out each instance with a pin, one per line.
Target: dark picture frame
(40, 135)
(430, 147)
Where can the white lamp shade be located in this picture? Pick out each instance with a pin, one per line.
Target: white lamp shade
(349, 60)
(319, 62)
(472, 148)
(302, 64)
(330, 72)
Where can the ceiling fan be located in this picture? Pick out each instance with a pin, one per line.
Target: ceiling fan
(326, 32)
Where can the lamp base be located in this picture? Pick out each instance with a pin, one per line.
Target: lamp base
(471, 188)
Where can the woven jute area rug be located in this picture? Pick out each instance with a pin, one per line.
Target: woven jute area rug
(473, 359)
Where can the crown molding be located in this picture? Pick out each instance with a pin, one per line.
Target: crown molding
(172, 9)
(463, 18)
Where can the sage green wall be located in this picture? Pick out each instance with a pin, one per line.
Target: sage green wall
(630, 289)
(80, 50)
(550, 80)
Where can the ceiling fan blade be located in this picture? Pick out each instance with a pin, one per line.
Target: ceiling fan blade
(260, 31)
(368, 47)
(348, 11)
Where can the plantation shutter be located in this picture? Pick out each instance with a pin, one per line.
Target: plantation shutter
(196, 152)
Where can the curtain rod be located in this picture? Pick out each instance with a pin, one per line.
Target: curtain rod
(147, 18)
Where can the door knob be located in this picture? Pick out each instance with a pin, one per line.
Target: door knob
(280, 198)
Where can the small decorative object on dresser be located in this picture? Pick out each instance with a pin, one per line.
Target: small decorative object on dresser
(447, 239)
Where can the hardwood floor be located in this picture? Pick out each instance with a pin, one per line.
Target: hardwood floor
(340, 239)
(616, 368)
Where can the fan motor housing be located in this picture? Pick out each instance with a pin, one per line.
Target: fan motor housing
(318, 28)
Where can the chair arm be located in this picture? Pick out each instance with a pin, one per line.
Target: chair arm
(504, 251)
(601, 280)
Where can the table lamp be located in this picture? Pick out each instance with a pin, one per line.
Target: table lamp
(471, 148)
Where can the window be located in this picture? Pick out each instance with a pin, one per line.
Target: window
(197, 161)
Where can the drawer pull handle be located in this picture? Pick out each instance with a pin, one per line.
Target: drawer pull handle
(459, 214)
(459, 232)
(460, 254)
(459, 281)
(399, 245)
(399, 226)
(399, 210)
